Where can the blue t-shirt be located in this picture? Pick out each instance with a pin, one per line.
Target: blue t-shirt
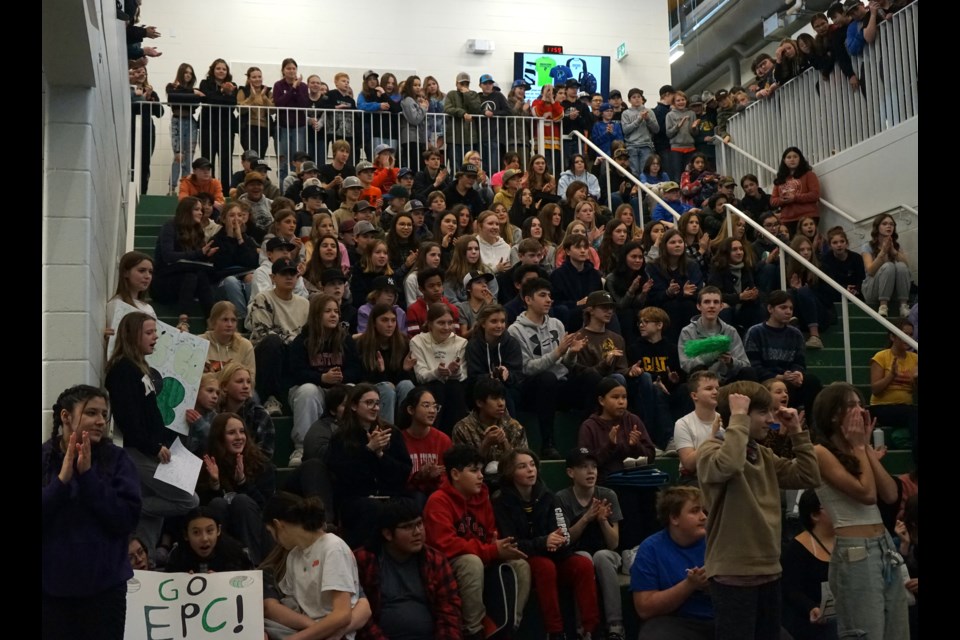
(661, 563)
(660, 212)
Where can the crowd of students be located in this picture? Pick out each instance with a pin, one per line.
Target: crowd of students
(407, 318)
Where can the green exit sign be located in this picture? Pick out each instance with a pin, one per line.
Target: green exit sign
(621, 51)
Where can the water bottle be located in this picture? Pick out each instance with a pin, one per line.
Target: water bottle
(878, 438)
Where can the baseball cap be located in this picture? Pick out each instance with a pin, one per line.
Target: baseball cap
(414, 205)
(606, 106)
(468, 168)
(363, 227)
(253, 176)
(312, 191)
(616, 94)
(277, 242)
(368, 73)
(621, 153)
(397, 191)
(284, 265)
(363, 205)
(383, 282)
(578, 455)
(600, 299)
(329, 276)
(353, 182)
(404, 172)
(201, 162)
(463, 76)
(309, 165)
(667, 88)
(520, 82)
(476, 275)
(250, 155)
(485, 78)
(364, 165)
(383, 147)
(347, 226)
(511, 173)
(669, 185)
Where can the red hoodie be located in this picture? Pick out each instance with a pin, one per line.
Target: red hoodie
(458, 526)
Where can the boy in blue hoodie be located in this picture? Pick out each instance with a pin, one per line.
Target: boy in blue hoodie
(573, 281)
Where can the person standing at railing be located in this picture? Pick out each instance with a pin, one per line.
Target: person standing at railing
(462, 104)
(290, 93)
(340, 122)
(374, 102)
(146, 103)
(255, 101)
(551, 111)
(796, 189)
(216, 119)
(183, 98)
(661, 141)
(606, 130)
(493, 129)
(639, 127)
(575, 118)
(862, 29)
(414, 106)
(316, 138)
(679, 122)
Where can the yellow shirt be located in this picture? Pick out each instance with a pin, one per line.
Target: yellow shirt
(900, 390)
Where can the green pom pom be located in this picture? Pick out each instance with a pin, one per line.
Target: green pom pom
(170, 396)
(713, 344)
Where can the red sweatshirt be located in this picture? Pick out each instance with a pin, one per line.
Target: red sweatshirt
(458, 526)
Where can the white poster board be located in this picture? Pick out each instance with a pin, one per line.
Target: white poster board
(180, 358)
(184, 606)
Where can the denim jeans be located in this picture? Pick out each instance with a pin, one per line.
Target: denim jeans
(392, 397)
(638, 158)
(183, 139)
(307, 402)
(235, 290)
(866, 582)
(289, 141)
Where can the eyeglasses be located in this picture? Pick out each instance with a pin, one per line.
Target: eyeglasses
(370, 404)
(411, 526)
(136, 554)
(430, 405)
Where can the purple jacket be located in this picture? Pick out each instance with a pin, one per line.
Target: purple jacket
(284, 95)
(86, 523)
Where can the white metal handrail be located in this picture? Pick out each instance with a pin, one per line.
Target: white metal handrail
(912, 210)
(826, 116)
(846, 296)
(626, 174)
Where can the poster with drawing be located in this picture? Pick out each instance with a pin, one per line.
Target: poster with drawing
(179, 357)
(181, 606)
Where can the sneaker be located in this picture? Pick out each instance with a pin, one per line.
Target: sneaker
(296, 458)
(616, 633)
(670, 451)
(814, 342)
(273, 406)
(883, 310)
(904, 309)
(628, 556)
(550, 452)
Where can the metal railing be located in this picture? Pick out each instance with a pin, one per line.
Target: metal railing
(612, 164)
(221, 133)
(826, 116)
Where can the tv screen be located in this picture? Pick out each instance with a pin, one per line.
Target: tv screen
(538, 69)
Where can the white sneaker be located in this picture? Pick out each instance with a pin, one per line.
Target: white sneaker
(814, 342)
(273, 406)
(670, 451)
(628, 556)
(883, 310)
(904, 309)
(296, 458)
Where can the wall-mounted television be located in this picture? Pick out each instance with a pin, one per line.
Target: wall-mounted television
(538, 69)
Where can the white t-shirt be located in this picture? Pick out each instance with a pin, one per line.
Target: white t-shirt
(139, 304)
(690, 431)
(313, 573)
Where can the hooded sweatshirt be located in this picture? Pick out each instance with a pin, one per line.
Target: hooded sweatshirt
(470, 431)
(571, 285)
(595, 436)
(531, 521)
(638, 132)
(538, 343)
(458, 525)
(697, 331)
(430, 353)
(681, 135)
(483, 357)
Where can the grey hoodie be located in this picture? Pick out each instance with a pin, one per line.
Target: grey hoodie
(538, 343)
(680, 135)
(638, 132)
(696, 331)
